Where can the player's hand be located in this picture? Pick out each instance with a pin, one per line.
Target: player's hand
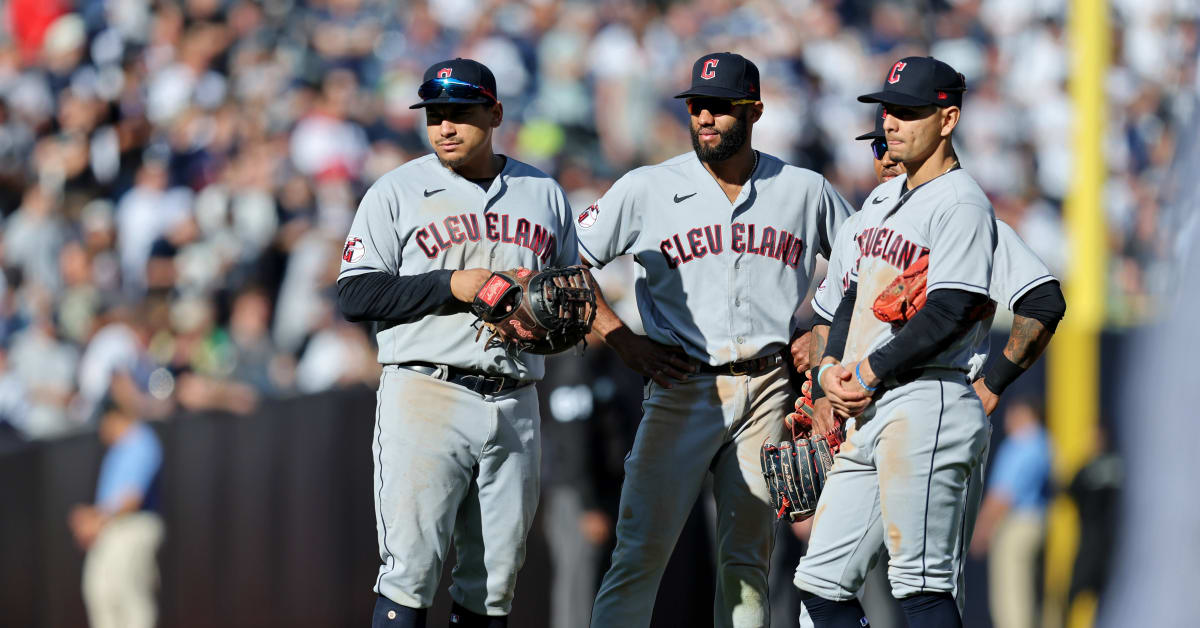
(989, 398)
(823, 421)
(464, 284)
(843, 392)
(664, 364)
(799, 348)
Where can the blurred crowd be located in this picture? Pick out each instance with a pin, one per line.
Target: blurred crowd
(176, 178)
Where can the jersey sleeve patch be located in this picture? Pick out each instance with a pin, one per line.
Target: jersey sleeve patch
(354, 250)
(588, 217)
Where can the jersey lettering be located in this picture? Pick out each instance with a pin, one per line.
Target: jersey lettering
(696, 243)
(889, 246)
(434, 239)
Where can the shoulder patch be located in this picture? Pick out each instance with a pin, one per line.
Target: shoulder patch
(354, 250)
(588, 216)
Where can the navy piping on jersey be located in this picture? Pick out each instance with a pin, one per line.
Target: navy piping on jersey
(1025, 288)
(591, 257)
(379, 493)
(929, 478)
(357, 268)
(956, 283)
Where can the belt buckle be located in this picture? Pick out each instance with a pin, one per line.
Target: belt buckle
(733, 369)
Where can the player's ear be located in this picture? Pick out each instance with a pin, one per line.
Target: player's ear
(949, 120)
(756, 111)
(497, 114)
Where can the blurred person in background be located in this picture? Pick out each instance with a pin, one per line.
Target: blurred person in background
(1011, 527)
(122, 530)
(1096, 491)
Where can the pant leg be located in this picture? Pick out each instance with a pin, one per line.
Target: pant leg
(428, 437)
(679, 435)
(495, 519)
(846, 530)
(974, 501)
(1012, 571)
(120, 576)
(882, 610)
(933, 436)
(745, 521)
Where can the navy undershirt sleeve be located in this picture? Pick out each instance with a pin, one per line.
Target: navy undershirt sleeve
(946, 315)
(1045, 304)
(839, 328)
(387, 297)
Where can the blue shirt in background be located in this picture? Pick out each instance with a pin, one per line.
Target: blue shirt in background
(1021, 470)
(130, 467)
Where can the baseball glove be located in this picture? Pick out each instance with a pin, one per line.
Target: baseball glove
(795, 469)
(541, 312)
(901, 299)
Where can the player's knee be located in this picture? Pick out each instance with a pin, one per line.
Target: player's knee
(833, 614)
(931, 610)
(389, 614)
(460, 617)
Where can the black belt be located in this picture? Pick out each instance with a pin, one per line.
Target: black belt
(753, 366)
(471, 380)
(925, 372)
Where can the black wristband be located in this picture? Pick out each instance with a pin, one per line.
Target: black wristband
(817, 391)
(1002, 373)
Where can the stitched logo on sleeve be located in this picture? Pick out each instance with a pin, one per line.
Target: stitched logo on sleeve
(491, 291)
(354, 250)
(588, 216)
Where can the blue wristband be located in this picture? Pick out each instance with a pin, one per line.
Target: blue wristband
(821, 372)
(862, 382)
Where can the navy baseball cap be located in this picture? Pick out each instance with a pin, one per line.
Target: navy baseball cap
(723, 75)
(920, 81)
(877, 133)
(457, 81)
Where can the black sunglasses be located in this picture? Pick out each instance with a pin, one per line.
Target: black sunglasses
(715, 106)
(452, 88)
(879, 147)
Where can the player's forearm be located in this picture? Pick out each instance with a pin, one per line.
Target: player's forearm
(816, 346)
(946, 315)
(839, 331)
(1027, 341)
(606, 319)
(1035, 318)
(384, 297)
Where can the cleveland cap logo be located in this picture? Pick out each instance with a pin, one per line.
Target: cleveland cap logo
(894, 77)
(444, 73)
(709, 70)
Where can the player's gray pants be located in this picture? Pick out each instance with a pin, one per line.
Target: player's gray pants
(715, 423)
(901, 481)
(450, 463)
(883, 610)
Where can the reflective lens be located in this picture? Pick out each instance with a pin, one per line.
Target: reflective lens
(715, 106)
(452, 88)
(879, 148)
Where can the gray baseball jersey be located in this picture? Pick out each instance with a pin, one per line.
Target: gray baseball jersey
(720, 280)
(952, 221)
(422, 217)
(1016, 270)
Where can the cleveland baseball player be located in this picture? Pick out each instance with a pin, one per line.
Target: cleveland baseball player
(902, 477)
(456, 428)
(1020, 282)
(725, 238)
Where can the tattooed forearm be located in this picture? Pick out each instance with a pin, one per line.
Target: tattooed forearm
(816, 347)
(1027, 341)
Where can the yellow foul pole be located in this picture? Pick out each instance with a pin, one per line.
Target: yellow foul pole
(1073, 361)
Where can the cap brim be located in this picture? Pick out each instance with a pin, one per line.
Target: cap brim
(895, 98)
(873, 135)
(714, 92)
(451, 101)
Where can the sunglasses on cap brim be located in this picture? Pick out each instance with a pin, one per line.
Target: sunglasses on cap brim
(452, 88)
(879, 147)
(715, 106)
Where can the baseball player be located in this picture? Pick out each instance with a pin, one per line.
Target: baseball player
(1020, 281)
(725, 238)
(456, 429)
(902, 478)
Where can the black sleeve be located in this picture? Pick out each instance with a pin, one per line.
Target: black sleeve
(817, 319)
(839, 327)
(387, 297)
(945, 316)
(1044, 304)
